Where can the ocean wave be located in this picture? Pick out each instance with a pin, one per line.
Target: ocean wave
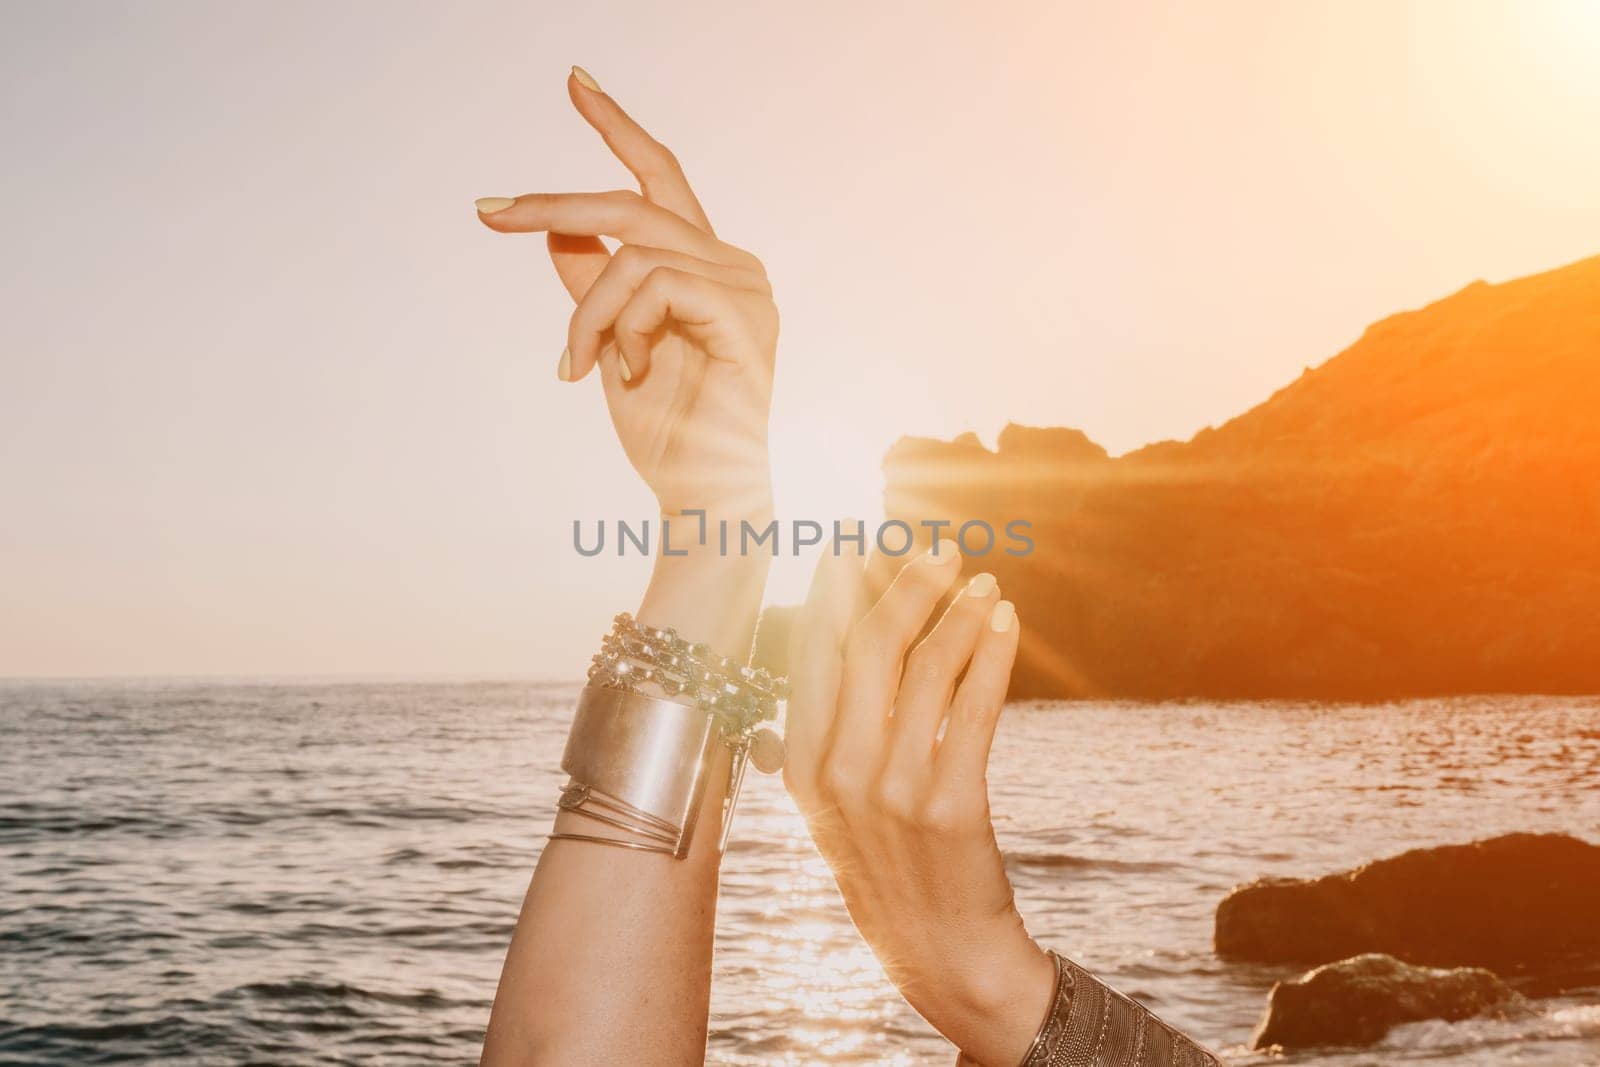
(1067, 860)
(1567, 1022)
(158, 1038)
(325, 993)
(20, 823)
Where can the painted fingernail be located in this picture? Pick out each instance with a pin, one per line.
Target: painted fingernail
(490, 205)
(1003, 616)
(942, 552)
(981, 585)
(585, 79)
(623, 369)
(564, 368)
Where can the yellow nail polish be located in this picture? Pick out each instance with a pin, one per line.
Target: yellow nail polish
(981, 585)
(585, 79)
(564, 368)
(622, 367)
(490, 205)
(1001, 619)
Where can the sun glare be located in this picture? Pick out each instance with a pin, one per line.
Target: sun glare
(1562, 37)
(823, 473)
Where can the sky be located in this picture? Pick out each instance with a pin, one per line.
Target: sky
(272, 402)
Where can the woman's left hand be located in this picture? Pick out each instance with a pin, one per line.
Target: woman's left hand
(888, 741)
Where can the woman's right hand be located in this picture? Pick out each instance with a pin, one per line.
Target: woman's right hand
(681, 325)
(888, 741)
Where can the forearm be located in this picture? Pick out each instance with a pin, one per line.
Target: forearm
(612, 950)
(611, 953)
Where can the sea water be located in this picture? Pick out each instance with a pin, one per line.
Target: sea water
(194, 872)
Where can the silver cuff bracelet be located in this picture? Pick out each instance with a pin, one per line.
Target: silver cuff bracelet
(640, 763)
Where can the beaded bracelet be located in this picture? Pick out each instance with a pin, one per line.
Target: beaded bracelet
(739, 696)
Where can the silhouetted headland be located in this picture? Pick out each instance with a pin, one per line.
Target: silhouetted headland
(1418, 515)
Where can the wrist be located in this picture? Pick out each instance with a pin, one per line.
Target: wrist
(999, 1001)
(738, 488)
(730, 530)
(703, 584)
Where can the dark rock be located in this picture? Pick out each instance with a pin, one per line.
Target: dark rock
(1518, 902)
(1356, 1001)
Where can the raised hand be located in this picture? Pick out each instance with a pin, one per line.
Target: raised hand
(611, 959)
(681, 325)
(888, 740)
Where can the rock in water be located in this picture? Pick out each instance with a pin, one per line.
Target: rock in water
(1508, 903)
(1356, 1001)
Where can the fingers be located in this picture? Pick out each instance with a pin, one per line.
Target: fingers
(578, 261)
(618, 282)
(816, 657)
(622, 214)
(660, 176)
(930, 678)
(710, 313)
(881, 571)
(873, 655)
(974, 712)
(575, 222)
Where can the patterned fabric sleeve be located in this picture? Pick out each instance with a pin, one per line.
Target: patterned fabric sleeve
(1092, 1025)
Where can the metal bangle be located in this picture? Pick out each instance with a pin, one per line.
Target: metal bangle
(638, 846)
(649, 756)
(1060, 1002)
(1091, 1024)
(591, 804)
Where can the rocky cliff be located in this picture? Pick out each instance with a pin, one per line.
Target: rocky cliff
(1418, 515)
